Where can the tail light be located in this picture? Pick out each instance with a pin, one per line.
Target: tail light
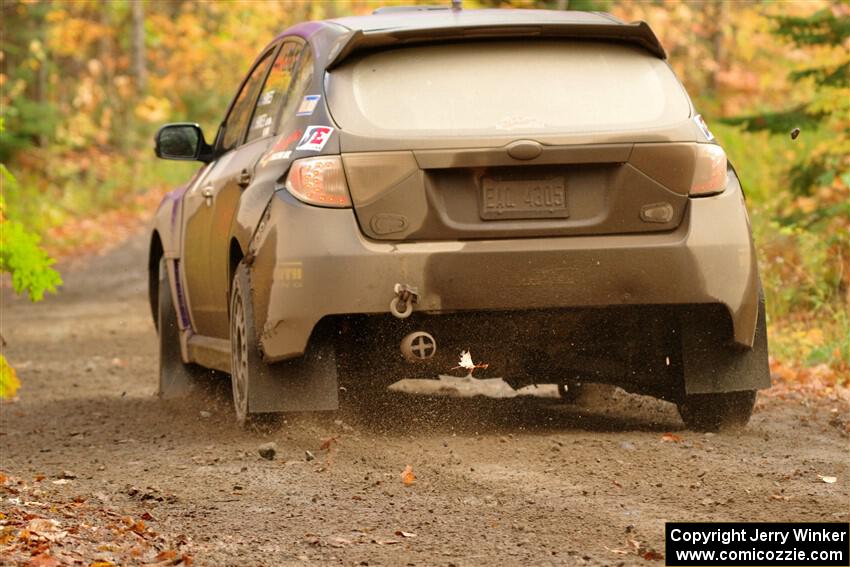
(710, 171)
(319, 181)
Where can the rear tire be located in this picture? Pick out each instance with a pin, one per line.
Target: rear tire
(176, 378)
(571, 392)
(246, 361)
(712, 412)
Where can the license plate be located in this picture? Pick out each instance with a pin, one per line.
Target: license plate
(523, 199)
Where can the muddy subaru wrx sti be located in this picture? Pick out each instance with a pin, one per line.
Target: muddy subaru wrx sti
(387, 191)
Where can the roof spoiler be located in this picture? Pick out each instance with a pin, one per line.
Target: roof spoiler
(637, 33)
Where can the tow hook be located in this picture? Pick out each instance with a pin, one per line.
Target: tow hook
(402, 304)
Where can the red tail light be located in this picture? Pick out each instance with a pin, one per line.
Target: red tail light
(710, 171)
(319, 181)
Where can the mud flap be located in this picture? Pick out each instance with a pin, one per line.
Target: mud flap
(713, 365)
(176, 378)
(176, 381)
(307, 383)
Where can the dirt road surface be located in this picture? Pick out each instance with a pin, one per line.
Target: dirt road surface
(528, 482)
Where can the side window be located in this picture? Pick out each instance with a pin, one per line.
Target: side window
(274, 92)
(302, 83)
(241, 112)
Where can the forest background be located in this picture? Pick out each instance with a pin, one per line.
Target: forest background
(84, 85)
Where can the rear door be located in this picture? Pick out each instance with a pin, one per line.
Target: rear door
(211, 204)
(238, 174)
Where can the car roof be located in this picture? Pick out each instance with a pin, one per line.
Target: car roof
(424, 19)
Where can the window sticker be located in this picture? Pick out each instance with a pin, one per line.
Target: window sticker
(315, 138)
(308, 105)
(261, 121)
(703, 127)
(266, 99)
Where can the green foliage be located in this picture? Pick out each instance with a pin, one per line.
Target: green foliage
(29, 117)
(823, 27)
(22, 256)
(821, 35)
(780, 122)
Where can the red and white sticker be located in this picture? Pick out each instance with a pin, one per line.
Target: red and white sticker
(315, 138)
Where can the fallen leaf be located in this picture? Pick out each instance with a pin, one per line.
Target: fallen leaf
(404, 534)
(167, 554)
(43, 560)
(466, 363)
(407, 476)
(618, 551)
(828, 479)
(385, 541)
(46, 529)
(671, 438)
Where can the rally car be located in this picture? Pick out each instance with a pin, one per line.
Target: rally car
(386, 192)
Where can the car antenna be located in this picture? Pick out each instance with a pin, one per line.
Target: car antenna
(457, 5)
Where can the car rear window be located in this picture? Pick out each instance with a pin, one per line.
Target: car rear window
(492, 87)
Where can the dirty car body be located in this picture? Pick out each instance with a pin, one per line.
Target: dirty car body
(535, 187)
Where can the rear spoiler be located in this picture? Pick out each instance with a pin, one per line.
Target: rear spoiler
(637, 33)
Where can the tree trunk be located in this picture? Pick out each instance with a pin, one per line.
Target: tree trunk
(718, 51)
(139, 69)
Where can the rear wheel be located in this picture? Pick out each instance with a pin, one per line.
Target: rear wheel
(712, 412)
(246, 361)
(176, 378)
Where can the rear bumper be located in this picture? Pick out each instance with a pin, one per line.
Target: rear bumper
(310, 263)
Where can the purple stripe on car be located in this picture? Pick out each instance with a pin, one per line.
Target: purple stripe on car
(181, 299)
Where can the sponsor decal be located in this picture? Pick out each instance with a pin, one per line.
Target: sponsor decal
(261, 121)
(275, 156)
(266, 99)
(308, 105)
(289, 274)
(315, 138)
(700, 122)
(284, 143)
(280, 155)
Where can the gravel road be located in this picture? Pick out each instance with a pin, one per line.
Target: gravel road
(515, 482)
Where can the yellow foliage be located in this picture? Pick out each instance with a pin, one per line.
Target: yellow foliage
(9, 382)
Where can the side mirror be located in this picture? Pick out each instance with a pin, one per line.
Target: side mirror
(182, 141)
